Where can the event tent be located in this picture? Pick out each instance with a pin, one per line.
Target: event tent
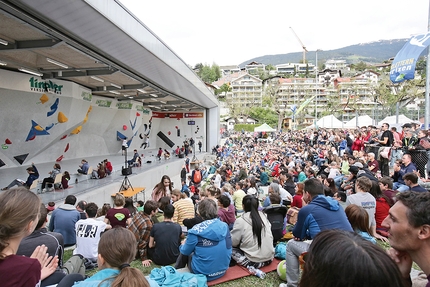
(362, 121)
(330, 122)
(391, 120)
(264, 128)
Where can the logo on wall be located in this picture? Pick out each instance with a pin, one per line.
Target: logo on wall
(193, 115)
(103, 103)
(86, 96)
(144, 111)
(124, 106)
(44, 86)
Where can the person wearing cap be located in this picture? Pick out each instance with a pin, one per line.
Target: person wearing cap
(364, 172)
(399, 171)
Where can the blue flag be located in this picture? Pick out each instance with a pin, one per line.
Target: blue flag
(403, 66)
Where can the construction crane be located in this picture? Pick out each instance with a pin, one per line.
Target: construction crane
(303, 46)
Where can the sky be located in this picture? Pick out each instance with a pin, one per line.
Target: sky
(231, 32)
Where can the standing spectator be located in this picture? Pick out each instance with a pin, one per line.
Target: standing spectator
(386, 140)
(183, 173)
(396, 150)
(63, 220)
(52, 174)
(424, 144)
(124, 146)
(159, 153)
(118, 215)
(200, 145)
(141, 225)
(187, 163)
(320, 214)
(165, 239)
(409, 236)
(33, 174)
(88, 232)
(163, 188)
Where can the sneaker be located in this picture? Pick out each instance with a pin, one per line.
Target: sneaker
(4, 188)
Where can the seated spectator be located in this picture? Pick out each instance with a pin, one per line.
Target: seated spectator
(63, 220)
(411, 180)
(273, 189)
(65, 180)
(324, 267)
(226, 211)
(116, 250)
(166, 154)
(141, 226)
(88, 232)
(108, 166)
(101, 212)
(297, 198)
(81, 208)
(139, 206)
(52, 174)
(359, 220)
(252, 237)
(264, 177)
(135, 159)
(118, 215)
(159, 215)
(53, 242)
(212, 258)
(33, 174)
(238, 196)
(184, 207)
(83, 167)
(165, 239)
(372, 163)
(340, 196)
(329, 187)
(386, 187)
(129, 204)
(407, 166)
(383, 204)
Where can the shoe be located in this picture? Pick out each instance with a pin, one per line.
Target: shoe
(4, 188)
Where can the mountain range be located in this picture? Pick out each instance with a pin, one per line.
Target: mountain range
(373, 52)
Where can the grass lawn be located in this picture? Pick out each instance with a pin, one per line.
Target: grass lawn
(271, 280)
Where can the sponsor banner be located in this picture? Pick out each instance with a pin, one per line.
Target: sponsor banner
(124, 106)
(103, 103)
(86, 96)
(403, 66)
(144, 111)
(193, 115)
(167, 115)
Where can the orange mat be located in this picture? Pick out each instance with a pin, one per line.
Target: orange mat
(237, 272)
(130, 192)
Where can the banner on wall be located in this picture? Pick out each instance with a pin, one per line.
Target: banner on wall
(167, 115)
(124, 106)
(103, 103)
(193, 115)
(144, 111)
(86, 96)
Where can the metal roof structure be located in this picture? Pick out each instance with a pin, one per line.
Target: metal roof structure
(101, 45)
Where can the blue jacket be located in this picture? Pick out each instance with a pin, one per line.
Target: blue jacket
(404, 170)
(85, 167)
(63, 221)
(32, 176)
(211, 243)
(321, 213)
(97, 279)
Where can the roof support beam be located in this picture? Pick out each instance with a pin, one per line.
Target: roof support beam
(30, 44)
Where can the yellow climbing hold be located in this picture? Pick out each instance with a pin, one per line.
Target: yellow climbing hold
(76, 131)
(62, 118)
(39, 128)
(44, 98)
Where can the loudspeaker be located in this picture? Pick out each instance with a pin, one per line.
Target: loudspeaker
(178, 132)
(165, 139)
(126, 170)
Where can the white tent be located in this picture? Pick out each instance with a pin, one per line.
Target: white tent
(391, 120)
(330, 122)
(362, 121)
(264, 128)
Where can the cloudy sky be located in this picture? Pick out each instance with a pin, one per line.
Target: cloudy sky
(230, 32)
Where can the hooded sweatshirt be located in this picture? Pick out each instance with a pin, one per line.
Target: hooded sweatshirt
(227, 216)
(320, 214)
(211, 243)
(63, 221)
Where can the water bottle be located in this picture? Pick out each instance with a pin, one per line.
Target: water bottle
(257, 272)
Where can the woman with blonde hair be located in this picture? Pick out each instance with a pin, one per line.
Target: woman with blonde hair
(118, 215)
(117, 249)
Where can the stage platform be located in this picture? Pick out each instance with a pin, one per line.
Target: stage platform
(101, 190)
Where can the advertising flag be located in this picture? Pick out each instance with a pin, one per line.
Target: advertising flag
(403, 66)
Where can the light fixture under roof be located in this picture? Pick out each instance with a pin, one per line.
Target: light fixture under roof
(154, 95)
(3, 63)
(142, 91)
(114, 92)
(57, 63)
(30, 72)
(97, 79)
(4, 42)
(163, 102)
(115, 85)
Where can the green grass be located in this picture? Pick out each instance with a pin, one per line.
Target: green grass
(271, 280)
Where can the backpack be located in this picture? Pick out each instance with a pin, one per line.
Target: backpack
(76, 264)
(197, 178)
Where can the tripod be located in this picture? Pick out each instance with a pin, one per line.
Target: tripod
(125, 182)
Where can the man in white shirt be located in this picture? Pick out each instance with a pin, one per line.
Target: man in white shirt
(88, 233)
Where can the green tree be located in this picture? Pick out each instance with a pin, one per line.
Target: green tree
(225, 88)
(209, 74)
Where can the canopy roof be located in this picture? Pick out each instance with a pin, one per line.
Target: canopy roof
(264, 128)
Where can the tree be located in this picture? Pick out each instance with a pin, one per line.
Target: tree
(225, 88)
(209, 74)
